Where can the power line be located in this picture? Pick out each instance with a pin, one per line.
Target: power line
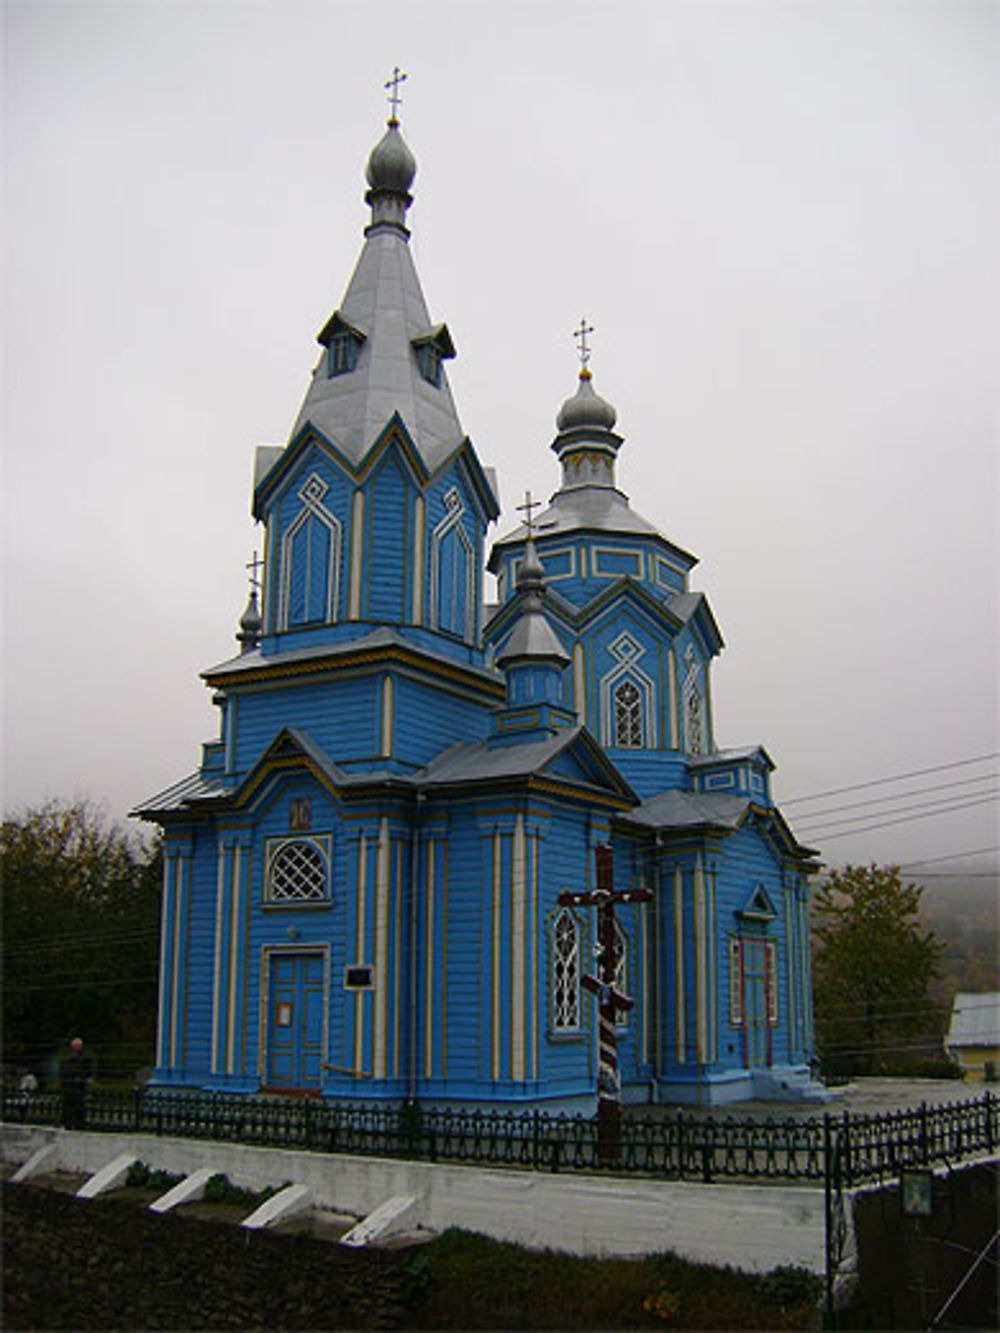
(901, 796)
(888, 823)
(953, 856)
(899, 777)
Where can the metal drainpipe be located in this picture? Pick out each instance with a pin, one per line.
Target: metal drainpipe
(414, 874)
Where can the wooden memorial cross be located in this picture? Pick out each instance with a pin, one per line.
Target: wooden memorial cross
(611, 1001)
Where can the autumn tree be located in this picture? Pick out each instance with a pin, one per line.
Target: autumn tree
(79, 904)
(873, 966)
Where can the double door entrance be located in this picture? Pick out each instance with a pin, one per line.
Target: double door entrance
(295, 1020)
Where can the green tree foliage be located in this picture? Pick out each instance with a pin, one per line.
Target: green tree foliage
(79, 904)
(873, 965)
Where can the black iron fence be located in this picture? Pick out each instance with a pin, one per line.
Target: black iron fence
(850, 1148)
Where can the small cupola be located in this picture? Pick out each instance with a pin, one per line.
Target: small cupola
(586, 444)
(533, 661)
(390, 173)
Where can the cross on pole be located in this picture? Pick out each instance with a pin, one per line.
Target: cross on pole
(394, 98)
(611, 1001)
(580, 335)
(526, 509)
(254, 566)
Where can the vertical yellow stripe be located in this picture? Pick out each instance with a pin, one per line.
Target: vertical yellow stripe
(517, 912)
(383, 872)
(359, 953)
(216, 978)
(679, 979)
(699, 962)
(163, 1027)
(579, 683)
(444, 961)
(234, 939)
(495, 978)
(533, 969)
(644, 964)
(357, 554)
(429, 965)
(388, 716)
(419, 516)
(246, 961)
(672, 690)
(397, 889)
(176, 968)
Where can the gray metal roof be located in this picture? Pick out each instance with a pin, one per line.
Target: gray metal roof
(181, 794)
(731, 756)
(685, 809)
(975, 1019)
(477, 761)
(382, 637)
(384, 302)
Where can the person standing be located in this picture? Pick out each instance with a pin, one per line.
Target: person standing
(74, 1078)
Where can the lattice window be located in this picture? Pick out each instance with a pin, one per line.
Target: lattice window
(628, 715)
(297, 872)
(565, 980)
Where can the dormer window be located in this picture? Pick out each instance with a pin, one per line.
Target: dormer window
(429, 361)
(342, 342)
(341, 354)
(432, 348)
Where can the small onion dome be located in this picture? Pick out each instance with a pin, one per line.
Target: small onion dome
(391, 165)
(586, 408)
(248, 635)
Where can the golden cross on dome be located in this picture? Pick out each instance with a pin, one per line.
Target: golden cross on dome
(580, 335)
(394, 98)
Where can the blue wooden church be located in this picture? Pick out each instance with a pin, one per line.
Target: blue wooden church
(362, 877)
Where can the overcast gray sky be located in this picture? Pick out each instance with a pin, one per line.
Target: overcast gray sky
(780, 217)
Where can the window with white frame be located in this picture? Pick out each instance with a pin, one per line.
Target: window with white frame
(628, 715)
(297, 871)
(564, 986)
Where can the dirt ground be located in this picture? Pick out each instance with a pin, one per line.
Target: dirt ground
(106, 1264)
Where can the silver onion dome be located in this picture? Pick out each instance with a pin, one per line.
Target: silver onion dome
(586, 408)
(391, 165)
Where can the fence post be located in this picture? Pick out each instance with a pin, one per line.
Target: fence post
(842, 1151)
(988, 1098)
(924, 1143)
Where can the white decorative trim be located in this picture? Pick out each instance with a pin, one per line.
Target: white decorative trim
(679, 979)
(452, 522)
(564, 954)
(361, 912)
(627, 651)
(311, 494)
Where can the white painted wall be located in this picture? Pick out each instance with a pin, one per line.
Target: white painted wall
(751, 1227)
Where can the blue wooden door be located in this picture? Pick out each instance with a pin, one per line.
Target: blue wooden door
(755, 1002)
(295, 1021)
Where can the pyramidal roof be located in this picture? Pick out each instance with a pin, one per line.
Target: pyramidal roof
(384, 314)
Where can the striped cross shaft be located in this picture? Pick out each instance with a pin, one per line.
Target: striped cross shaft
(611, 1000)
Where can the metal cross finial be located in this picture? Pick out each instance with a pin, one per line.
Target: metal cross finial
(580, 335)
(394, 98)
(526, 508)
(255, 565)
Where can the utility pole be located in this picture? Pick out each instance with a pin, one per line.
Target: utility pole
(611, 1001)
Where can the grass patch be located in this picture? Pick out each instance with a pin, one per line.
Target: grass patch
(463, 1280)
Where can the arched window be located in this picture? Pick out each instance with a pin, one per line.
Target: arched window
(628, 715)
(297, 871)
(564, 981)
(310, 561)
